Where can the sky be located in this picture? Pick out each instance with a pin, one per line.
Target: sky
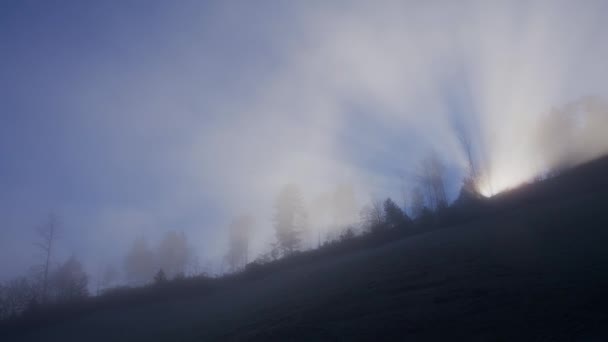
(132, 118)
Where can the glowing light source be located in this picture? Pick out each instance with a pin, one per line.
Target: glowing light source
(485, 191)
(507, 178)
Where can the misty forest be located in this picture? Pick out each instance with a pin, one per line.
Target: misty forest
(303, 171)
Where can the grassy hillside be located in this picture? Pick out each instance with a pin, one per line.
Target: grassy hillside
(532, 267)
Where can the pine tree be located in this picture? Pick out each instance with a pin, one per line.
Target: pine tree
(160, 277)
(394, 216)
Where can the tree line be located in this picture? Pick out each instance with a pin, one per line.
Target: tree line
(172, 258)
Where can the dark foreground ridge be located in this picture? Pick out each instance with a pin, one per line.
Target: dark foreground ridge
(530, 264)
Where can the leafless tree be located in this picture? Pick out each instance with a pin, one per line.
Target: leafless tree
(47, 234)
(478, 170)
(432, 176)
(4, 312)
(372, 216)
(16, 296)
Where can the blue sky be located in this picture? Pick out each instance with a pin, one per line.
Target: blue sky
(130, 118)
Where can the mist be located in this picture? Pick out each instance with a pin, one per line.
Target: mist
(130, 122)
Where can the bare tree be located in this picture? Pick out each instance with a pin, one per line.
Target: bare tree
(4, 310)
(17, 295)
(47, 234)
(432, 177)
(478, 170)
(372, 216)
(467, 146)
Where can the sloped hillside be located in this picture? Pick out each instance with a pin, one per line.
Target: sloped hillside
(536, 268)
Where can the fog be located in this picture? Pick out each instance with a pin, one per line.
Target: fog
(130, 122)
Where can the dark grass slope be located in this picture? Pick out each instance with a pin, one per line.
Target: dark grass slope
(532, 265)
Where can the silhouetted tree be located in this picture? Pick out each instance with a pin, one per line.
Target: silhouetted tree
(69, 281)
(140, 263)
(347, 234)
(426, 218)
(238, 243)
(372, 217)
(394, 216)
(160, 277)
(17, 295)
(47, 234)
(290, 219)
(466, 143)
(3, 306)
(432, 177)
(271, 255)
(468, 193)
